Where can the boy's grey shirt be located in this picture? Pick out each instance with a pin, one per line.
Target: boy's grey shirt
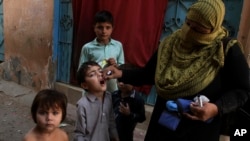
(95, 119)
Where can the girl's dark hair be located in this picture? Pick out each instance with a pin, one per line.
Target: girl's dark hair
(81, 73)
(103, 16)
(49, 98)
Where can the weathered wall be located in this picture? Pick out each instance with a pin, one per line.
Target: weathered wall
(28, 42)
(244, 29)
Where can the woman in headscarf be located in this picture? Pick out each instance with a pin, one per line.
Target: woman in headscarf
(190, 62)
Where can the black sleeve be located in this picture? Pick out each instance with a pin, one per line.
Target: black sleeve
(141, 76)
(139, 114)
(235, 76)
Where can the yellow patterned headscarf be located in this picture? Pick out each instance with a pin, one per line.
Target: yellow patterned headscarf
(185, 70)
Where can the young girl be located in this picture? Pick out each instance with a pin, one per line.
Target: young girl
(48, 111)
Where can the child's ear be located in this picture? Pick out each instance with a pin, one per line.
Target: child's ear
(84, 85)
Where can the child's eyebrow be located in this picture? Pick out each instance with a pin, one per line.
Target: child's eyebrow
(99, 69)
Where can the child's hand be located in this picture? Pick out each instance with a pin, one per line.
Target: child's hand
(124, 109)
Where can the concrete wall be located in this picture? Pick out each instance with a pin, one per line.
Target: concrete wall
(28, 42)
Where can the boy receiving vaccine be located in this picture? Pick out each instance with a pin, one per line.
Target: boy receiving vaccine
(95, 117)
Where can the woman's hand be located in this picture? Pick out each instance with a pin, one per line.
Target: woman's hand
(112, 72)
(208, 111)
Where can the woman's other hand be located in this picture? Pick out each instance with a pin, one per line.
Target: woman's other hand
(204, 113)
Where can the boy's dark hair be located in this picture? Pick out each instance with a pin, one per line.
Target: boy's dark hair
(81, 73)
(103, 16)
(49, 98)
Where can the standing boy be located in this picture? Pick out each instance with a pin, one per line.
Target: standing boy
(103, 49)
(95, 117)
(129, 110)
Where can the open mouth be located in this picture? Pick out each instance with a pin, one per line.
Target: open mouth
(102, 82)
